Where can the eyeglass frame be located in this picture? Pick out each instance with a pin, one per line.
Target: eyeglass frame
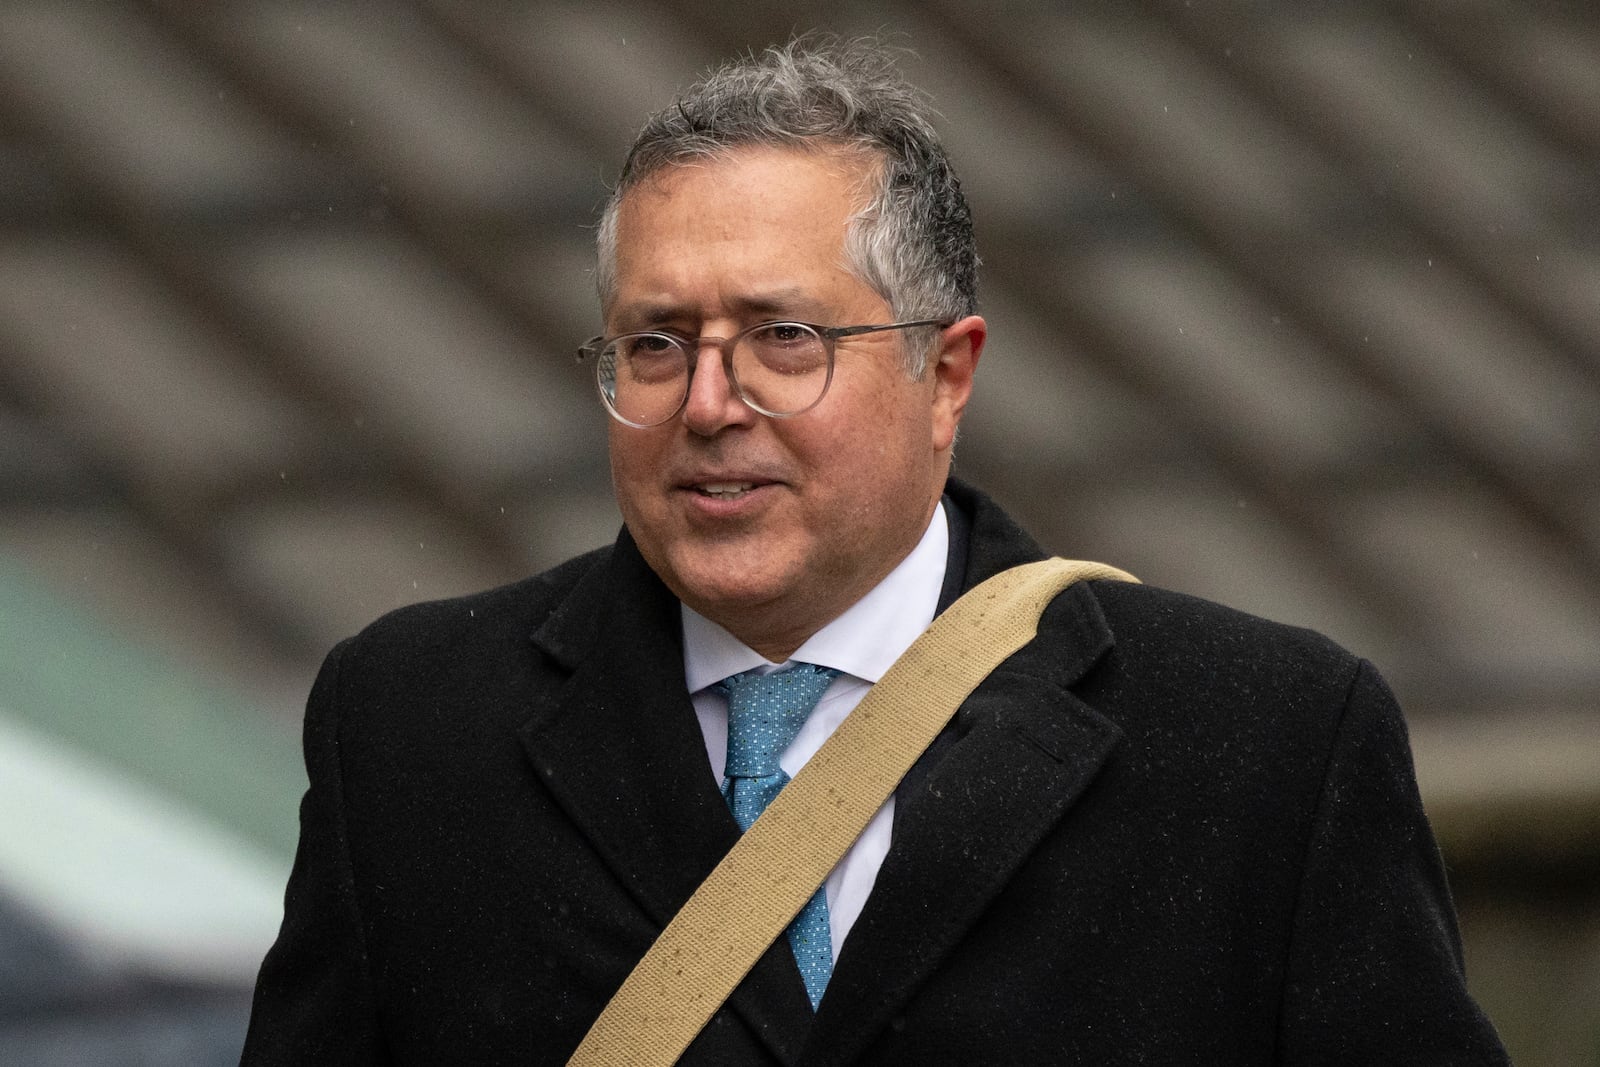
(691, 347)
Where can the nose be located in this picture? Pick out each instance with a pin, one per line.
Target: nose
(713, 404)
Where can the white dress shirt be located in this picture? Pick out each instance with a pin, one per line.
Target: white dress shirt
(861, 644)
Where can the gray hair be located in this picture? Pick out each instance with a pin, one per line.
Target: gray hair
(912, 241)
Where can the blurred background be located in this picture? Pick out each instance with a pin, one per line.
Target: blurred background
(1293, 305)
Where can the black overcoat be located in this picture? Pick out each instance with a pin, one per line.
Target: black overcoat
(1164, 832)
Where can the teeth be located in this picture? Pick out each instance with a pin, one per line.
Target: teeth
(726, 489)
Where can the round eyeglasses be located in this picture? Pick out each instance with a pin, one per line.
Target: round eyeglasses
(780, 369)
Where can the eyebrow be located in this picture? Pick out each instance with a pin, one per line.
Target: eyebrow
(787, 301)
(776, 301)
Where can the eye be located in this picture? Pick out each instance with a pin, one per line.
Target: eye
(782, 335)
(648, 359)
(784, 348)
(648, 344)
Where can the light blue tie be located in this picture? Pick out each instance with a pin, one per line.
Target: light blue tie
(765, 711)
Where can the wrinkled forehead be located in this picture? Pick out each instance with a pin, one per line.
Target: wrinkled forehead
(858, 169)
(731, 202)
(861, 163)
(735, 194)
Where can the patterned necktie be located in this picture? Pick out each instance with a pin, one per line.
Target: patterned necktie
(765, 711)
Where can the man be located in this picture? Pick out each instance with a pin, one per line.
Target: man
(1163, 832)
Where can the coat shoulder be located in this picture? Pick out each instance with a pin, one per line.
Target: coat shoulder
(1179, 657)
(1149, 621)
(516, 610)
(452, 659)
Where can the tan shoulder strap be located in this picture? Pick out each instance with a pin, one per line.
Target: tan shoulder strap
(765, 879)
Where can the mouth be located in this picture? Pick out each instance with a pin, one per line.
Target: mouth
(723, 490)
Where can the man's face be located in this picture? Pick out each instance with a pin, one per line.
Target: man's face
(829, 500)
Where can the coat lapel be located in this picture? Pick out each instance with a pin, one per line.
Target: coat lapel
(619, 748)
(1021, 750)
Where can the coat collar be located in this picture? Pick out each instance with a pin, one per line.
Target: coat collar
(1022, 748)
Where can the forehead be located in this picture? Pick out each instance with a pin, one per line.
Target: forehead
(754, 218)
(844, 166)
(744, 188)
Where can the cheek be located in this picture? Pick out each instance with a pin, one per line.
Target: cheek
(631, 466)
(871, 457)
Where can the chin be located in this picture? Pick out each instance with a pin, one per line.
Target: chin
(714, 595)
(716, 585)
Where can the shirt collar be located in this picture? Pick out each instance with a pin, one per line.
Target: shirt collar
(864, 641)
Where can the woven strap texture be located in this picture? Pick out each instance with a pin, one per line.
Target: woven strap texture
(777, 864)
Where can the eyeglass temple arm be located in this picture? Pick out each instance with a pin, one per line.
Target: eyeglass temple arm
(851, 331)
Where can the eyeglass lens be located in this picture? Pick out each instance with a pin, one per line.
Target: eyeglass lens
(779, 369)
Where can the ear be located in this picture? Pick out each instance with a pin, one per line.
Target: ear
(951, 368)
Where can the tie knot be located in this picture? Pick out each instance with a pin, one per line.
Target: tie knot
(765, 711)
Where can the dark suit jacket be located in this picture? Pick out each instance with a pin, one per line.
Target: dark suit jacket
(1163, 832)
